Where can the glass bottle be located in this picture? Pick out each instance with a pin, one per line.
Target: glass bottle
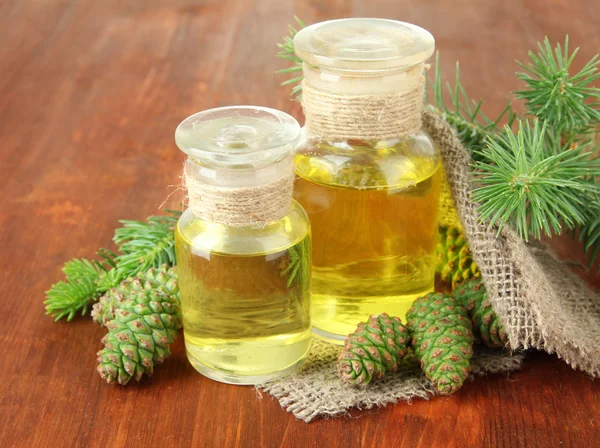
(367, 174)
(243, 246)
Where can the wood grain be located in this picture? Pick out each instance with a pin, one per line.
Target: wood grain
(91, 92)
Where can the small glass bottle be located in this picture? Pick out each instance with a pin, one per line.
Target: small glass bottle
(368, 175)
(243, 246)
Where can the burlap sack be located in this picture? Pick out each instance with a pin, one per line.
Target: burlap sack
(538, 300)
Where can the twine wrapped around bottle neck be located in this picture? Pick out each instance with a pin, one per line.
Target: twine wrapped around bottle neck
(380, 116)
(240, 206)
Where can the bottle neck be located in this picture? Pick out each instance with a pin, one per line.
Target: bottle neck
(383, 106)
(240, 196)
(238, 176)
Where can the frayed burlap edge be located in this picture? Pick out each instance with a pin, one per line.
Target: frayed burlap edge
(538, 300)
(315, 390)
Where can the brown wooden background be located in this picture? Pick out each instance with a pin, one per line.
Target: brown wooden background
(90, 95)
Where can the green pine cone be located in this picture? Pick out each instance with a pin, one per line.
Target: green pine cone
(375, 347)
(163, 279)
(486, 325)
(454, 261)
(442, 340)
(139, 336)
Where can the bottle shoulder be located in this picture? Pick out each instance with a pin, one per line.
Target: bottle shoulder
(396, 163)
(206, 237)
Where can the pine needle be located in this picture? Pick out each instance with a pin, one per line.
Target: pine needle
(144, 245)
(110, 277)
(565, 101)
(297, 271)
(80, 268)
(589, 233)
(286, 51)
(530, 188)
(66, 299)
(464, 114)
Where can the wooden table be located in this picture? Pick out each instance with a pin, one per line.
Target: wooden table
(91, 93)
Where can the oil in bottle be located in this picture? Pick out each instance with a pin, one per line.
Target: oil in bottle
(374, 224)
(246, 313)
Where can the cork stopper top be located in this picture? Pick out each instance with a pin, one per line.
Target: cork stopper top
(363, 45)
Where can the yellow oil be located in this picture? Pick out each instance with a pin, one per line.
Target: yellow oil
(245, 297)
(373, 213)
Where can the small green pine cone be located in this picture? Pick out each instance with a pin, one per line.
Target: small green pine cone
(375, 347)
(139, 336)
(454, 261)
(486, 325)
(442, 340)
(163, 279)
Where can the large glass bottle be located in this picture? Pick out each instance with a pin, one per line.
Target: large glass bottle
(243, 246)
(367, 174)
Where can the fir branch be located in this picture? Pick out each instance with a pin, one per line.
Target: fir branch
(286, 51)
(81, 268)
(566, 102)
(65, 299)
(472, 126)
(530, 188)
(145, 244)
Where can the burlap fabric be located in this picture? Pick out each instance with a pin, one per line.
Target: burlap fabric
(538, 300)
(316, 390)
